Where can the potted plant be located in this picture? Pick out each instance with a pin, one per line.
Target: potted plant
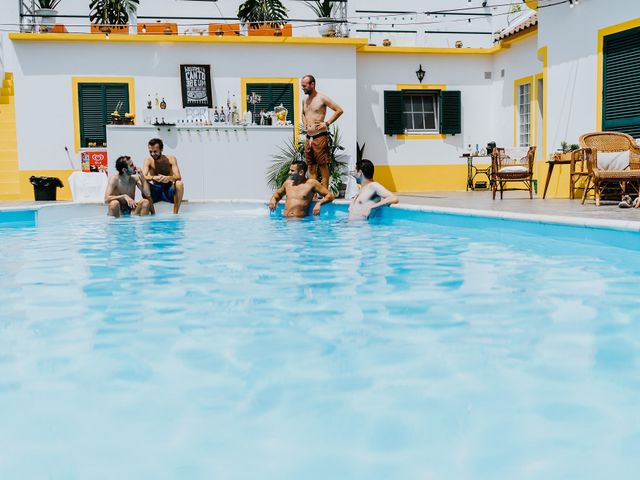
(324, 11)
(47, 12)
(261, 13)
(112, 16)
(278, 172)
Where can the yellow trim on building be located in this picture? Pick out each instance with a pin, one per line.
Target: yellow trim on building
(233, 40)
(516, 83)
(422, 178)
(543, 55)
(429, 50)
(420, 86)
(603, 32)
(76, 104)
(529, 32)
(295, 115)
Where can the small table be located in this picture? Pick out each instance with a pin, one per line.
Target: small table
(552, 162)
(473, 171)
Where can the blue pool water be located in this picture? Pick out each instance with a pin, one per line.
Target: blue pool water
(227, 344)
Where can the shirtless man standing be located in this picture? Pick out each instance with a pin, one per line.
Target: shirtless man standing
(163, 175)
(372, 194)
(121, 190)
(316, 146)
(299, 191)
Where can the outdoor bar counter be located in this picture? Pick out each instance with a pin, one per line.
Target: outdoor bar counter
(216, 162)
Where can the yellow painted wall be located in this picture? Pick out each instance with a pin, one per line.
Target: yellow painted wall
(26, 189)
(424, 178)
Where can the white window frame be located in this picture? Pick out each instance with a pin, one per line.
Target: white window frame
(431, 94)
(524, 114)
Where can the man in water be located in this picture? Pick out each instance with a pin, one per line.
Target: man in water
(316, 145)
(299, 191)
(163, 175)
(121, 190)
(371, 195)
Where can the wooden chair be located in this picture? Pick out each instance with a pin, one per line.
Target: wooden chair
(598, 178)
(580, 170)
(505, 169)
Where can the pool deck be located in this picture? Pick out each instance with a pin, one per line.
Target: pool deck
(515, 205)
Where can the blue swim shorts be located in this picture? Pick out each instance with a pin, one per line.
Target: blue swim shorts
(162, 192)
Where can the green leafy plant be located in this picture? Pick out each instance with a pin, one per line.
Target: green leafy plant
(262, 12)
(566, 148)
(48, 4)
(322, 8)
(112, 12)
(278, 171)
(359, 154)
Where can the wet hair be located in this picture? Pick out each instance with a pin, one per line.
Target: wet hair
(300, 165)
(366, 167)
(122, 163)
(156, 141)
(311, 78)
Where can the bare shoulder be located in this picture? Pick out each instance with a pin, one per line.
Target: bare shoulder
(172, 159)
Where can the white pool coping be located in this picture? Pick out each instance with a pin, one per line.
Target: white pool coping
(624, 225)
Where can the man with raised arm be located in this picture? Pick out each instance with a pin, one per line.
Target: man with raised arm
(163, 175)
(121, 190)
(299, 192)
(372, 195)
(316, 145)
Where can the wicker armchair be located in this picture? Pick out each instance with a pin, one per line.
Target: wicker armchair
(598, 178)
(512, 167)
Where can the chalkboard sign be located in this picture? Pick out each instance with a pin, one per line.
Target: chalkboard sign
(196, 85)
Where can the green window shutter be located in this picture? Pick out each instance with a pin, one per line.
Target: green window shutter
(621, 85)
(393, 118)
(450, 112)
(272, 95)
(96, 102)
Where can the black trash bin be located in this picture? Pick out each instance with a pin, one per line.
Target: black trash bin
(44, 188)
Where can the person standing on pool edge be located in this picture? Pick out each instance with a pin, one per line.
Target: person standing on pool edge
(163, 175)
(316, 145)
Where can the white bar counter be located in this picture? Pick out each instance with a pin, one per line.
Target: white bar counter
(215, 161)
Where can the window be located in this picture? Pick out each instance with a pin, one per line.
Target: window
(272, 95)
(96, 102)
(420, 110)
(524, 114)
(621, 88)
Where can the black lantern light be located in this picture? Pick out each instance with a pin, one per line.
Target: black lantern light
(420, 73)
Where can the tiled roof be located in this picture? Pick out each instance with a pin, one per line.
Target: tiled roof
(529, 22)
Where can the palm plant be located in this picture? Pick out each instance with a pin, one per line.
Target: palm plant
(278, 171)
(48, 4)
(322, 8)
(262, 12)
(112, 12)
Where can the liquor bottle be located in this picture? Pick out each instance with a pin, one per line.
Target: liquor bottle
(157, 103)
(163, 104)
(149, 104)
(216, 117)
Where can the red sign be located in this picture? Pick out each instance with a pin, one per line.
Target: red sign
(95, 161)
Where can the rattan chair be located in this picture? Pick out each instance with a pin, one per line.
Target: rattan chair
(597, 178)
(505, 169)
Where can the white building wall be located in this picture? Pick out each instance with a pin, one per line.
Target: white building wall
(380, 72)
(516, 62)
(44, 95)
(571, 35)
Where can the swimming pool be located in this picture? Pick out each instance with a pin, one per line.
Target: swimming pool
(224, 343)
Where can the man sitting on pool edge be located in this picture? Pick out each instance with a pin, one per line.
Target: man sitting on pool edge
(121, 190)
(163, 175)
(371, 195)
(299, 191)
